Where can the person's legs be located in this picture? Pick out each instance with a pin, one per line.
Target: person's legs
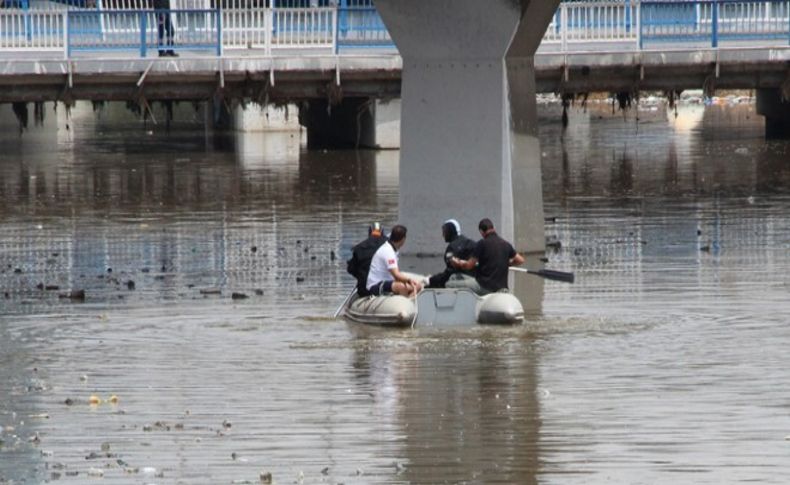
(460, 280)
(170, 33)
(160, 28)
(393, 287)
(382, 288)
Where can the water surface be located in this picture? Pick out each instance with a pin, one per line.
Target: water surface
(666, 361)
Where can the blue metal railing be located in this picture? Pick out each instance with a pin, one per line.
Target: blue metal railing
(143, 30)
(361, 26)
(95, 25)
(711, 22)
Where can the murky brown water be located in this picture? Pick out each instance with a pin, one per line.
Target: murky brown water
(666, 361)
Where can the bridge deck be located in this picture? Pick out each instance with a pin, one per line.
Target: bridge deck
(199, 76)
(74, 52)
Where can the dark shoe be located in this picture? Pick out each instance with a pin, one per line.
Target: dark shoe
(162, 53)
(172, 54)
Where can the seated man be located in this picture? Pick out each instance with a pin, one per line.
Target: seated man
(458, 246)
(361, 256)
(384, 276)
(492, 256)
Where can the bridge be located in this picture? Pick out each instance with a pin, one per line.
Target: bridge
(588, 46)
(465, 69)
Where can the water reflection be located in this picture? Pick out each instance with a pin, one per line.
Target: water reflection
(464, 406)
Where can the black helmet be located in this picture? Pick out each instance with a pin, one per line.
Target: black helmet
(451, 229)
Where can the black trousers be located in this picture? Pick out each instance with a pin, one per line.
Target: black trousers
(165, 29)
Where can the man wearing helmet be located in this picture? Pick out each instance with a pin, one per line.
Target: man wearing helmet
(361, 256)
(458, 246)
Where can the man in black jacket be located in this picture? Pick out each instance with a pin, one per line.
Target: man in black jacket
(361, 256)
(165, 28)
(458, 246)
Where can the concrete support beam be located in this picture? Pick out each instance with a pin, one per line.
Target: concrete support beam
(257, 118)
(469, 146)
(776, 111)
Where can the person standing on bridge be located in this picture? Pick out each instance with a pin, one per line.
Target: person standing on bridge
(384, 276)
(165, 28)
(458, 246)
(492, 257)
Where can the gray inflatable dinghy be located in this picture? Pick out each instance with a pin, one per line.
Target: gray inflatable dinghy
(436, 307)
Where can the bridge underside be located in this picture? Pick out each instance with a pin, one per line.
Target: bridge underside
(294, 79)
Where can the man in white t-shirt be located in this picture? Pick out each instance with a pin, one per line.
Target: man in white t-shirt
(384, 277)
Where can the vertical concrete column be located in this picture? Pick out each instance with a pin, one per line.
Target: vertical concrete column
(776, 111)
(469, 146)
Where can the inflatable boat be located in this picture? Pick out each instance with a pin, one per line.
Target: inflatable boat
(435, 307)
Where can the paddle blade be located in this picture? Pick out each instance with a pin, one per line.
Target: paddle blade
(550, 274)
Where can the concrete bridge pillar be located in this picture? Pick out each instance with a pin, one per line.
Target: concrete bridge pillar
(776, 111)
(469, 145)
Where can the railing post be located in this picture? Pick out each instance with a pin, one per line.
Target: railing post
(143, 30)
(219, 31)
(66, 37)
(28, 24)
(627, 16)
(564, 27)
(99, 8)
(268, 22)
(558, 20)
(639, 24)
(714, 21)
(335, 29)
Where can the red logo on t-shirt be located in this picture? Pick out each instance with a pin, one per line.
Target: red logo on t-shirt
(390, 261)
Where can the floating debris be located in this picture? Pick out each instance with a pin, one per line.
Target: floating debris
(254, 249)
(300, 279)
(238, 296)
(75, 295)
(227, 424)
(259, 292)
(211, 291)
(95, 472)
(130, 284)
(266, 477)
(113, 399)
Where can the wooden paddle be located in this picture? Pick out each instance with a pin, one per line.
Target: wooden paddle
(549, 274)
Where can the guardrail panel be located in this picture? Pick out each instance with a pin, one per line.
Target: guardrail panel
(361, 27)
(31, 30)
(252, 24)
